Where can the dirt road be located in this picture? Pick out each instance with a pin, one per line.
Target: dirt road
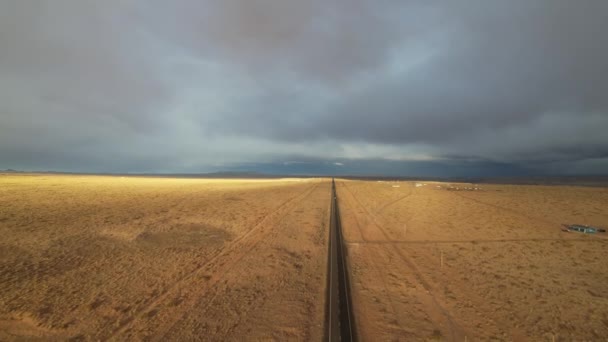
(162, 259)
(431, 264)
(125, 258)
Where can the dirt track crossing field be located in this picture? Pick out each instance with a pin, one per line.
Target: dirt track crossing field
(127, 258)
(162, 259)
(433, 264)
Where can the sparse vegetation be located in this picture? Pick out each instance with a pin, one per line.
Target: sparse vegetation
(91, 257)
(509, 272)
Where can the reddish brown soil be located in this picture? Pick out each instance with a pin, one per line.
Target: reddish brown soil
(491, 264)
(99, 258)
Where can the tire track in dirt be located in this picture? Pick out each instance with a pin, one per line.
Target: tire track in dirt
(510, 210)
(208, 301)
(379, 275)
(516, 332)
(387, 205)
(471, 295)
(233, 249)
(422, 242)
(139, 221)
(455, 330)
(218, 276)
(354, 216)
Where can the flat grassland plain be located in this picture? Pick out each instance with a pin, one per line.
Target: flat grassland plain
(127, 258)
(428, 263)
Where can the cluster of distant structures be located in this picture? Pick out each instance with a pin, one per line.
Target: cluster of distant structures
(459, 188)
(392, 185)
(582, 229)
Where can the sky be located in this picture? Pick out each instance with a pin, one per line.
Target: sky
(411, 88)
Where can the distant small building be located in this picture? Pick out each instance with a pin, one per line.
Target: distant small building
(582, 229)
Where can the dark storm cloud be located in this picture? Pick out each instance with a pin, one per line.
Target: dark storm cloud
(198, 85)
(316, 40)
(492, 69)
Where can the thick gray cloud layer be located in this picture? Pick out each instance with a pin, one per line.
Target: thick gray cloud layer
(186, 86)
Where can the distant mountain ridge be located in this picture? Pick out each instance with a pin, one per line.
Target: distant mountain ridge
(578, 180)
(220, 174)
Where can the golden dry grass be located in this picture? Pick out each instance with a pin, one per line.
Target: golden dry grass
(508, 271)
(126, 258)
(93, 257)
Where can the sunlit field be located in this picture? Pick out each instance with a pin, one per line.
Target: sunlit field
(485, 262)
(132, 258)
(93, 257)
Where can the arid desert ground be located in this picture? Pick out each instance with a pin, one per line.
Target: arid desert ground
(508, 271)
(128, 258)
(96, 258)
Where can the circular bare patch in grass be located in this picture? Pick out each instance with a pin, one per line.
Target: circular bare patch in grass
(184, 237)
